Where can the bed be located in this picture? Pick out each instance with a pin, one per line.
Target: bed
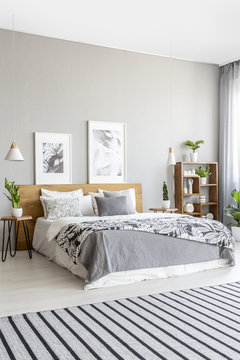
(113, 255)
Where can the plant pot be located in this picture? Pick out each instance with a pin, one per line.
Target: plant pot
(166, 204)
(236, 232)
(194, 157)
(203, 180)
(17, 212)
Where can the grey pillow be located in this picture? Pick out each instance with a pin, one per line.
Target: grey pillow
(111, 194)
(113, 206)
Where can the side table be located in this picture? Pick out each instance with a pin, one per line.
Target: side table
(163, 210)
(10, 221)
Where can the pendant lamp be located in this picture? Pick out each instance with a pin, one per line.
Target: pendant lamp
(14, 154)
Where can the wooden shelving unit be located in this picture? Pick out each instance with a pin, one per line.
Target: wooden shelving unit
(210, 190)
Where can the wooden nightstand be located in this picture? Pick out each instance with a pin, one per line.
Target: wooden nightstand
(163, 210)
(10, 221)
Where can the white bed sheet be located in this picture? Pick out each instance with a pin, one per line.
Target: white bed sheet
(55, 253)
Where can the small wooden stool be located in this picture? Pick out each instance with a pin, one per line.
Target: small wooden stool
(10, 220)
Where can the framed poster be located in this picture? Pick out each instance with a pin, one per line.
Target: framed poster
(53, 158)
(106, 152)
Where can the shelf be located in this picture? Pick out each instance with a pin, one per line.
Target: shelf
(194, 194)
(194, 213)
(198, 163)
(190, 176)
(208, 203)
(208, 185)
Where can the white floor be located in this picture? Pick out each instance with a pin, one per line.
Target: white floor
(39, 284)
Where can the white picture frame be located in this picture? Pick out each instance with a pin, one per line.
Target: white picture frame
(53, 158)
(106, 152)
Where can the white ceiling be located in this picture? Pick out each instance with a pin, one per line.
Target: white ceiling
(200, 30)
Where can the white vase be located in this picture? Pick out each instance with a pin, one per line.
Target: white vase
(166, 204)
(17, 212)
(194, 157)
(236, 232)
(203, 180)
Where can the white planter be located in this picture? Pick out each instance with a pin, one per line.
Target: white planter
(236, 232)
(166, 204)
(17, 212)
(203, 180)
(194, 157)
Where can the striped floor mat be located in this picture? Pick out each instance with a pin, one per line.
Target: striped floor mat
(202, 323)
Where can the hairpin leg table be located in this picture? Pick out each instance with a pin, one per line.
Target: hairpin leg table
(8, 222)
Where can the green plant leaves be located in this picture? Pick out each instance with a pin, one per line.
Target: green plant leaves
(194, 145)
(236, 195)
(203, 173)
(14, 193)
(233, 212)
(165, 191)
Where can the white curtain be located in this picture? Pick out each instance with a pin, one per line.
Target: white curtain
(229, 136)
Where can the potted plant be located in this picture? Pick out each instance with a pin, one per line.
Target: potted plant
(194, 146)
(14, 198)
(166, 201)
(203, 174)
(234, 212)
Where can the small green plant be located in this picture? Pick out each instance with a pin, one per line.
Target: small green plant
(203, 173)
(232, 210)
(14, 193)
(165, 191)
(194, 145)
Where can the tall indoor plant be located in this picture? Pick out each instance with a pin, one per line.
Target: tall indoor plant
(233, 211)
(166, 201)
(14, 197)
(194, 146)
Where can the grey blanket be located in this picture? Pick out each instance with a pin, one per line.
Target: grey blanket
(72, 236)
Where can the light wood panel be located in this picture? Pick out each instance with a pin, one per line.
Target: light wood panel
(31, 204)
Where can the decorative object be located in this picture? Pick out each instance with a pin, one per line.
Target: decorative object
(10, 221)
(194, 146)
(209, 216)
(106, 152)
(185, 190)
(185, 172)
(202, 199)
(189, 208)
(14, 198)
(234, 212)
(189, 172)
(166, 201)
(53, 158)
(193, 172)
(190, 186)
(14, 153)
(203, 174)
(171, 157)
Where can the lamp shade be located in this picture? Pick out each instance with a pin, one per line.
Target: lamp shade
(14, 153)
(171, 157)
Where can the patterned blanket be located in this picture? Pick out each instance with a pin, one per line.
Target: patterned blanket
(72, 236)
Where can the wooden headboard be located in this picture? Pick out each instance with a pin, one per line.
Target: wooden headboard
(31, 204)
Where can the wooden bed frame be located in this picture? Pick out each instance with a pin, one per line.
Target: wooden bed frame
(31, 204)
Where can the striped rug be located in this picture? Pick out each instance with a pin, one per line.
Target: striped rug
(202, 323)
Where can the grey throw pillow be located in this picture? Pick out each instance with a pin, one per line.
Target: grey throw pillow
(113, 206)
(125, 193)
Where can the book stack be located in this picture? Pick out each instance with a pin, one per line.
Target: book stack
(202, 199)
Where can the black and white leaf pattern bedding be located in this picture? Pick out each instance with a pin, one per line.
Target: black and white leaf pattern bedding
(72, 236)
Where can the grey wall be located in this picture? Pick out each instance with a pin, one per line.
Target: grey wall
(61, 84)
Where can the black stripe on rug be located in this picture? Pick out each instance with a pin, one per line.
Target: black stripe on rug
(202, 323)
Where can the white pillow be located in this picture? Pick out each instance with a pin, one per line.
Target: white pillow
(94, 203)
(130, 193)
(86, 205)
(56, 208)
(61, 194)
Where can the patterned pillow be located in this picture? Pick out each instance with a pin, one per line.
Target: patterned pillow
(94, 203)
(61, 207)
